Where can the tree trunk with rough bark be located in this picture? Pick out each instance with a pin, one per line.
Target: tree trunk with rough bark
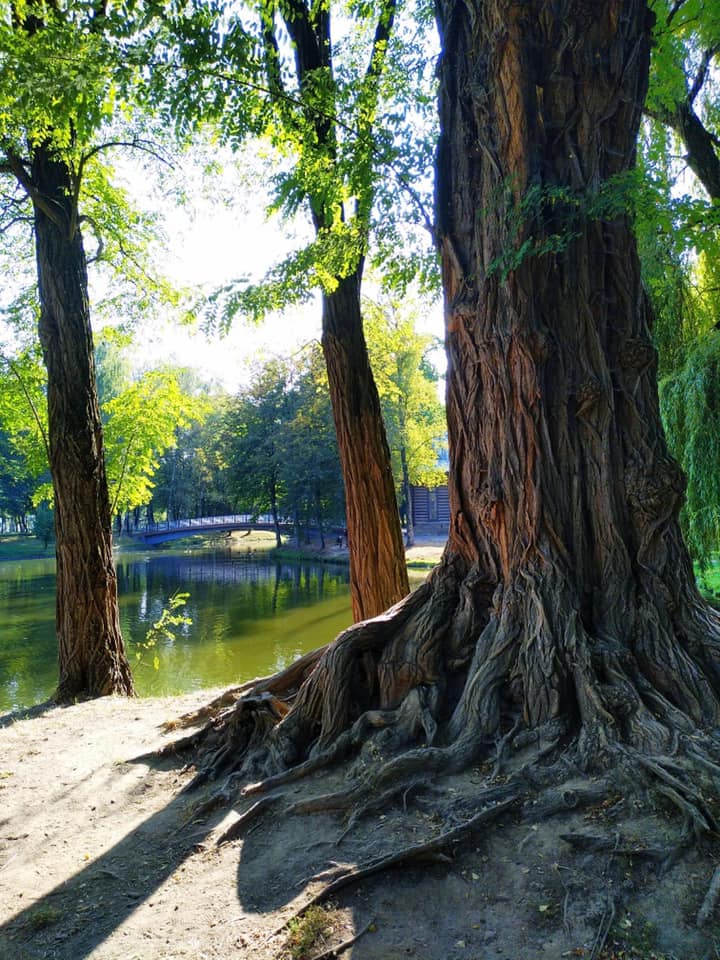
(92, 658)
(564, 500)
(377, 558)
(378, 576)
(563, 629)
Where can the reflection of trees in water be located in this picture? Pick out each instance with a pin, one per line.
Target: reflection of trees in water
(264, 588)
(307, 578)
(229, 599)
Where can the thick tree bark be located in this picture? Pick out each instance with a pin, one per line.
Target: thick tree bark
(565, 605)
(563, 496)
(378, 576)
(92, 659)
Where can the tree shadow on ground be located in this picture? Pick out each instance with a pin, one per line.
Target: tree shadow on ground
(284, 860)
(28, 713)
(80, 913)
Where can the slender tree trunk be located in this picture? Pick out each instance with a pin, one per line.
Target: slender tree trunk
(274, 511)
(318, 508)
(377, 559)
(407, 493)
(91, 653)
(378, 575)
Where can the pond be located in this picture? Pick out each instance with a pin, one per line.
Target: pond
(250, 616)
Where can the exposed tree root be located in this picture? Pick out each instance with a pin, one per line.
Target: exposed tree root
(346, 944)
(429, 850)
(508, 682)
(710, 901)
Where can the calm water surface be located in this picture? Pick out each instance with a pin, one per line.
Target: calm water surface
(250, 617)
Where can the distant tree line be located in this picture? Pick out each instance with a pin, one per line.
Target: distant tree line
(177, 448)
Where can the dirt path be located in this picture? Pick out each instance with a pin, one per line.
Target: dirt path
(101, 857)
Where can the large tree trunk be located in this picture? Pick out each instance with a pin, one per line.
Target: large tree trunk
(564, 617)
(563, 496)
(378, 576)
(91, 654)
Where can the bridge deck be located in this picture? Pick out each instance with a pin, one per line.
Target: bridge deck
(175, 529)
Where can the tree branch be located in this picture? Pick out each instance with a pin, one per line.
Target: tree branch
(126, 456)
(702, 73)
(98, 236)
(22, 175)
(271, 53)
(378, 54)
(675, 9)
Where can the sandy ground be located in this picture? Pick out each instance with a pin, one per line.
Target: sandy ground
(103, 856)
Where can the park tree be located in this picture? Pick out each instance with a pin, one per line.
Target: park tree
(683, 93)
(562, 635)
(59, 80)
(343, 112)
(252, 438)
(141, 424)
(278, 448)
(16, 484)
(677, 220)
(312, 479)
(407, 384)
(192, 476)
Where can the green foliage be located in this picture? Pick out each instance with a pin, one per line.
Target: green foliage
(73, 83)
(690, 404)
(191, 479)
(23, 418)
(164, 628)
(349, 120)
(407, 383)
(139, 425)
(279, 443)
(44, 524)
(549, 218)
(141, 420)
(16, 482)
(682, 32)
(310, 466)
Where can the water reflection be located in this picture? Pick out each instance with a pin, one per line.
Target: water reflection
(250, 617)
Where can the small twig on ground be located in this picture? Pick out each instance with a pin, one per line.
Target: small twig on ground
(337, 950)
(606, 922)
(710, 901)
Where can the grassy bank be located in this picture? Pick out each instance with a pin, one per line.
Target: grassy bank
(23, 546)
(709, 581)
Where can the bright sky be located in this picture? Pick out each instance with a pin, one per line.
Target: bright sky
(213, 241)
(225, 241)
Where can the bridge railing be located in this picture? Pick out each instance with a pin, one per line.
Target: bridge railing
(240, 519)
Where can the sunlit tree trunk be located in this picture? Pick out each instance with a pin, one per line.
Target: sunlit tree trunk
(564, 500)
(378, 576)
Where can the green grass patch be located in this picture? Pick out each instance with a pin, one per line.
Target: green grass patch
(43, 917)
(23, 546)
(306, 932)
